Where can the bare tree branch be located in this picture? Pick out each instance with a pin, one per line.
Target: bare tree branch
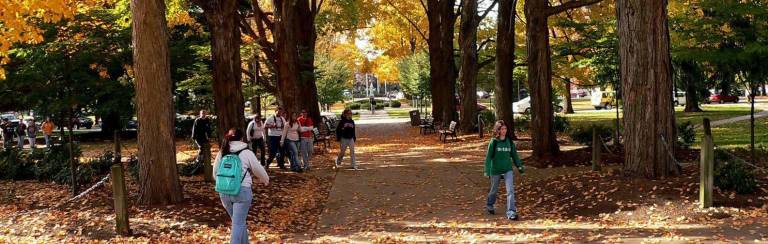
(488, 10)
(485, 42)
(415, 26)
(570, 5)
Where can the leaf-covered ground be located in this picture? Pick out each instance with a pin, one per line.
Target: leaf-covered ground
(410, 188)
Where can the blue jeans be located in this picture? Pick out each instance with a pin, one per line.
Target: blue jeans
(275, 151)
(237, 207)
(21, 142)
(292, 150)
(306, 151)
(47, 140)
(509, 183)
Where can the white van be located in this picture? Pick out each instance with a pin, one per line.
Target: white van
(679, 98)
(603, 99)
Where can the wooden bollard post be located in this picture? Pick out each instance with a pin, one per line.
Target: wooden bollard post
(121, 201)
(707, 166)
(207, 167)
(595, 150)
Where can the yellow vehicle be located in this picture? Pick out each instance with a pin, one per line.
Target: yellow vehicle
(604, 99)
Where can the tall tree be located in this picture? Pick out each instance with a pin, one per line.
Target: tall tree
(646, 79)
(222, 17)
(470, 21)
(442, 19)
(505, 61)
(158, 176)
(537, 13)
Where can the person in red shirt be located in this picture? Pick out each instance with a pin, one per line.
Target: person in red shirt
(306, 128)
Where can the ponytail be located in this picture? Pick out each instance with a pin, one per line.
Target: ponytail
(232, 135)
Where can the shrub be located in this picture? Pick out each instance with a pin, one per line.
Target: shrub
(15, 165)
(686, 134)
(395, 104)
(561, 123)
(183, 127)
(732, 174)
(352, 106)
(54, 166)
(489, 118)
(523, 122)
(583, 135)
(379, 106)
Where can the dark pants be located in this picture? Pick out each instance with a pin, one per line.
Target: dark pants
(260, 145)
(276, 150)
(204, 152)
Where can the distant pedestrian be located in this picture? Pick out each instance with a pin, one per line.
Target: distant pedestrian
(21, 133)
(276, 124)
(31, 133)
(498, 163)
(255, 135)
(48, 127)
(307, 138)
(201, 134)
(290, 141)
(345, 133)
(237, 205)
(8, 133)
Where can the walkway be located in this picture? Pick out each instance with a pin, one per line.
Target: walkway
(380, 117)
(761, 110)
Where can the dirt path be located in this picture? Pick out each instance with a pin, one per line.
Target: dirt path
(412, 188)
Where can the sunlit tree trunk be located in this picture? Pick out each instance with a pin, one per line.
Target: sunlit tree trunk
(505, 62)
(469, 65)
(442, 18)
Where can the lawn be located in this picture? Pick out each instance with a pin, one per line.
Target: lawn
(737, 134)
(713, 112)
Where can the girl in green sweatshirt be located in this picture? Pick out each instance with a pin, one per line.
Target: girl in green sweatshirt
(498, 162)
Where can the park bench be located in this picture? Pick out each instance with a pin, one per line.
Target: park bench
(323, 135)
(451, 131)
(427, 126)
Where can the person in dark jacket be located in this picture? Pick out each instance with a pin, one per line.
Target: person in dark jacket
(345, 133)
(201, 134)
(8, 132)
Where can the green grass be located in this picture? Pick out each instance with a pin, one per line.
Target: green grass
(713, 112)
(397, 113)
(737, 134)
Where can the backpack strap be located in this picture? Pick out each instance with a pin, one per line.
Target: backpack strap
(493, 152)
(248, 169)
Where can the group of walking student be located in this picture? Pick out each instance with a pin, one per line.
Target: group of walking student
(236, 163)
(26, 131)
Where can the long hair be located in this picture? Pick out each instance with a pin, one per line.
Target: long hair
(232, 135)
(497, 128)
(292, 119)
(347, 111)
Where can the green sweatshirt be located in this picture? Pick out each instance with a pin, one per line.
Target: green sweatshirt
(500, 161)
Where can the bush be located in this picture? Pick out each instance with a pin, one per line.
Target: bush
(583, 135)
(489, 118)
(352, 106)
(732, 174)
(523, 122)
(54, 166)
(561, 123)
(686, 134)
(379, 106)
(183, 127)
(395, 104)
(15, 165)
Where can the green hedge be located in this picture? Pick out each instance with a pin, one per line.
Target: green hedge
(732, 174)
(395, 104)
(52, 165)
(583, 135)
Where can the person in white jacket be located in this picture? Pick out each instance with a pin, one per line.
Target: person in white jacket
(237, 206)
(255, 135)
(291, 134)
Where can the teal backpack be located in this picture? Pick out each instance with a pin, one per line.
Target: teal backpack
(229, 174)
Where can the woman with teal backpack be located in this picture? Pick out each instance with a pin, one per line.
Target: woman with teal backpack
(498, 163)
(237, 203)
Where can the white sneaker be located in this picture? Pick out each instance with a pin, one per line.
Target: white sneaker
(338, 164)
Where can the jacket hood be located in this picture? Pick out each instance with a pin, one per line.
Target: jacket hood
(235, 146)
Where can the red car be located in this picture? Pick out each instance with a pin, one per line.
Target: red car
(719, 98)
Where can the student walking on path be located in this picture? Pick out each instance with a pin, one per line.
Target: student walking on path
(290, 141)
(345, 133)
(275, 124)
(237, 206)
(21, 133)
(498, 163)
(7, 128)
(31, 133)
(48, 127)
(307, 138)
(201, 134)
(255, 135)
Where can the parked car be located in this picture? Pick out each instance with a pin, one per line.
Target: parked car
(720, 98)
(83, 122)
(11, 117)
(483, 95)
(132, 125)
(578, 93)
(603, 99)
(524, 106)
(480, 107)
(679, 98)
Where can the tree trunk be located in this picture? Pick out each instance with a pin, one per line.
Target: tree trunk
(505, 63)
(442, 70)
(469, 66)
(691, 93)
(286, 47)
(540, 80)
(227, 74)
(109, 124)
(158, 177)
(72, 164)
(568, 103)
(646, 78)
(306, 38)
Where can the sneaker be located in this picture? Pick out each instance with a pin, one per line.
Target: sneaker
(514, 218)
(491, 211)
(355, 167)
(338, 163)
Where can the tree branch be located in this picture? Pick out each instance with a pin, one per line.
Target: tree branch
(486, 62)
(570, 5)
(485, 42)
(488, 10)
(415, 26)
